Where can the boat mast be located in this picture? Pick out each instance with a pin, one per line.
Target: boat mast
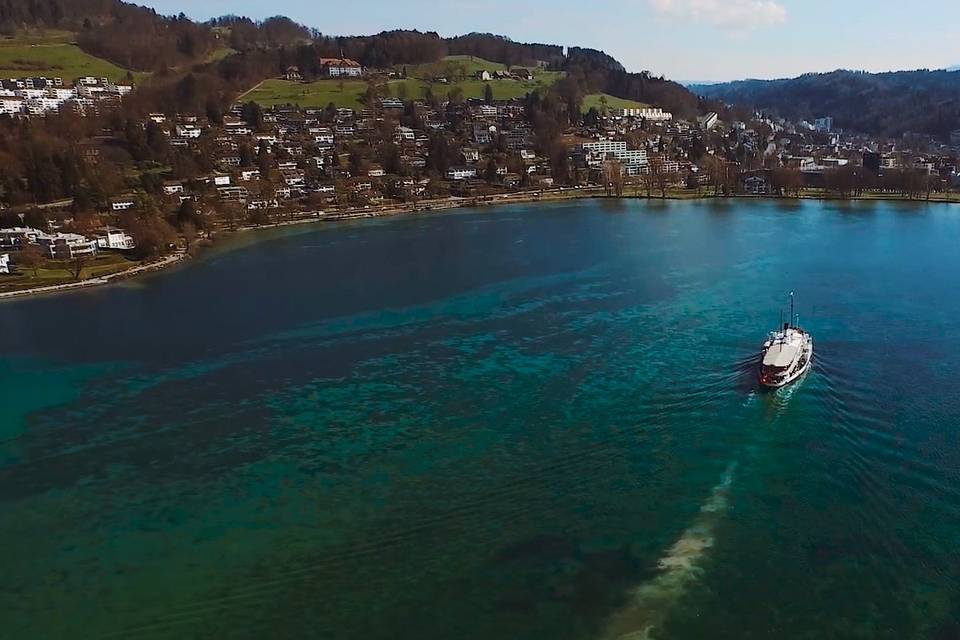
(780, 330)
(791, 309)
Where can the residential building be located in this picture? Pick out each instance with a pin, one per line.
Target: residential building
(604, 147)
(67, 246)
(461, 173)
(4, 263)
(708, 121)
(756, 185)
(233, 194)
(647, 113)
(823, 125)
(340, 68)
(16, 237)
(293, 178)
(115, 239)
(190, 131)
(483, 133)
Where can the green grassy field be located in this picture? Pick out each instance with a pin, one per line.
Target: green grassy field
(56, 272)
(594, 101)
(454, 66)
(322, 92)
(275, 92)
(52, 54)
(219, 54)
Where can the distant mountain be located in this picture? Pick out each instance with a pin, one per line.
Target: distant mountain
(875, 103)
(691, 84)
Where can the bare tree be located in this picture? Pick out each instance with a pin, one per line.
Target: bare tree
(30, 257)
(613, 177)
(660, 176)
(77, 265)
(189, 235)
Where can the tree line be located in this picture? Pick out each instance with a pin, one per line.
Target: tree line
(886, 104)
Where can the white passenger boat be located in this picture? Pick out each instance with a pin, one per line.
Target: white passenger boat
(786, 354)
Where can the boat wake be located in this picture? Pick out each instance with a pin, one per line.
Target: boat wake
(649, 604)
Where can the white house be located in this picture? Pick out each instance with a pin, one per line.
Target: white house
(340, 68)
(115, 239)
(221, 180)
(461, 173)
(4, 263)
(122, 205)
(172, 188)
(67, 246)
(248, 175)
(188, 131)
(483, 75)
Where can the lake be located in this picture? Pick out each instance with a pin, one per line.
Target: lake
(538, 421)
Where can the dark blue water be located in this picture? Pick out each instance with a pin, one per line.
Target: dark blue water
(528, 422)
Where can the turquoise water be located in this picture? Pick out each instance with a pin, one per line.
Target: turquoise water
(528, 422)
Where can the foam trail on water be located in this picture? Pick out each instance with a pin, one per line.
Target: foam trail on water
(649, 603)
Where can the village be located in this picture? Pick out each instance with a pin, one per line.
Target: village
(284, 163)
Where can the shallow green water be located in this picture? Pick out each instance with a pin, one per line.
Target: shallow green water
(530, 422)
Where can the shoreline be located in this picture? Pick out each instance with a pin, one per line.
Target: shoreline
(132, 272)
(428, 206)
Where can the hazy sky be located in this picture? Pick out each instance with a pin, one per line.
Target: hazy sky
(683, 39)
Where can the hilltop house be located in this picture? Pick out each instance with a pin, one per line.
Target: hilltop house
(340, 68)
(293, 74)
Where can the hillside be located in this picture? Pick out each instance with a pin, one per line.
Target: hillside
(600, 100)
(882, 103)
(460, 71)
(54, 54)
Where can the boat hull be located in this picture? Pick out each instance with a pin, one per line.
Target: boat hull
(790, 379)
